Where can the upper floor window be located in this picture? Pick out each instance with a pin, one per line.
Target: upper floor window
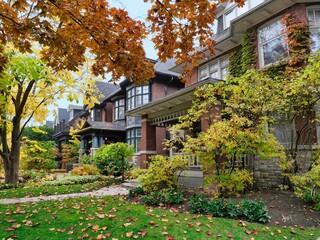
(96, 115)
(137, 96)
(217, 69)
(314, 26)
(272, 45)
(119, 109)
(223, 20)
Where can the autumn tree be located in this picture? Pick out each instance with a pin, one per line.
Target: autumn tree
(66, 30)
(27, 87)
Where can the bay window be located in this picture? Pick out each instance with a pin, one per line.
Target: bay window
(314, 27)
(137, 96)
(272, 45)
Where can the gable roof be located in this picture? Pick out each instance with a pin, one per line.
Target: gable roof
(105, 89)
(163, 67)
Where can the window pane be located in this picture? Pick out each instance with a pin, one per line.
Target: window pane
(220, 24)
(273, 51)
(315, 40)
(270, 32)
(145, 99)
(121, 102)
(138, 147)
(213, 67)
(121, 112)
(116, 113)
(215, 74)
(146, 89)
(138, 90)
(203, 72)
(138, 132)
(229, 17)
(138, 101)
(224, 72)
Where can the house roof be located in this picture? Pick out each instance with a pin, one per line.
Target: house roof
(111, 126)
(163, 67)
(105, 88)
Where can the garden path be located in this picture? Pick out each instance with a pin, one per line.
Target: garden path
(106, 191)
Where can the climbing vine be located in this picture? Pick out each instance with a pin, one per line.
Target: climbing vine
(244, 58)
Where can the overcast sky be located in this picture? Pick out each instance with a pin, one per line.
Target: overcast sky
(137, 10)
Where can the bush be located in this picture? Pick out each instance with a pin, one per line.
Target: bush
(87, 159)
(168, 196)
(250, 209)
(138, 191)
(75, 180)
(307, 186)
(161, 173)
(70, 152)
(85, 170)
(111, 159)
(255, 210)
(38, 155)
(198, 203)
(235, 183)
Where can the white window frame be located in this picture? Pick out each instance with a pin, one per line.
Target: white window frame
(316, 27)
(233, 7)
(206, 69)
(144, 95)
(260, 49)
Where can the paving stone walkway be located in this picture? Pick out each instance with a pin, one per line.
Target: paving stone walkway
(106, 191)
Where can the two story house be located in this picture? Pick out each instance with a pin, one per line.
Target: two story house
(260, 18)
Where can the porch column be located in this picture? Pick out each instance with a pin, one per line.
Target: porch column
(82, 149)
(101, 141)
(95, 144)
(148, 141)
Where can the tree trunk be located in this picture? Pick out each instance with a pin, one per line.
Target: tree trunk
(11, 161)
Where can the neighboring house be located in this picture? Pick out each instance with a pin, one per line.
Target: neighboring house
(108, 122)
(263, 19)
(65, 118)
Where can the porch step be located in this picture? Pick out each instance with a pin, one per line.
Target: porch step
(130, 184)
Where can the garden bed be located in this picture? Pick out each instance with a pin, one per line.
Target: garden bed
(283, 206)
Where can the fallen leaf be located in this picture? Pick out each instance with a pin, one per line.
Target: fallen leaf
(101, 216)
(248, 231)
(127, 224)
(255, 231)
(208, 233)
(293, 231)
(129, 234)
(95, 228)
(169, 238)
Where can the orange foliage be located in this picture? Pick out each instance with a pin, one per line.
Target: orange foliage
(66, 29)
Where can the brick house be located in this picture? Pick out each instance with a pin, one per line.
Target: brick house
(263, 19)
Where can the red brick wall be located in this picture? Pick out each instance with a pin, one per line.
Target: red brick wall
(161, 136)
(193, 78)
(160, 90)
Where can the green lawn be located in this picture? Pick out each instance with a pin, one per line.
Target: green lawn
(107, 217)
(51, 190)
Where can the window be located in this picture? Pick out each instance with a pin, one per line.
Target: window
(272, 45)
(134, 138)
(137, 96)
(217, 69)
(96, 115)
(223, 21)
(119, 108)
(314, 25)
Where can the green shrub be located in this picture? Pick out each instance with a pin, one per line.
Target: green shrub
(173, 196)
(138, 191)
(75, 180)
(198, 203)
(255, 210)
(70, 152)
(111, 159)
(161, 173)
(154, 198)
(250, 209)
(307, 186)
(85, 170)
(235, 183)
(168, 196)
(38, 155)
(87, 159)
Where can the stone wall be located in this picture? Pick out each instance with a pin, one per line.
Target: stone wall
(268, 174)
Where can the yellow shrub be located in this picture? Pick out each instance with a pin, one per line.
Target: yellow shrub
(84, 170)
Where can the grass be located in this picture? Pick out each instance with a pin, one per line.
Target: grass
(113, 217)
(36, 191)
